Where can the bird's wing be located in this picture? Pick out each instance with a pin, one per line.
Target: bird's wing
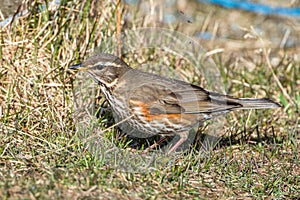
(188, 99)
(194, 100)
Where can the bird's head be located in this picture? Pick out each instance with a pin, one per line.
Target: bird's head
(105, 69)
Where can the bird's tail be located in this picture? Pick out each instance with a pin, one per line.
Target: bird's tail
(231, 103)
(253, 103)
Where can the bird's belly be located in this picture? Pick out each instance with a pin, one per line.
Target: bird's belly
(145, 126)
(166, 124)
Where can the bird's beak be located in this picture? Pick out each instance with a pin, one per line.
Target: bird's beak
(78, 67)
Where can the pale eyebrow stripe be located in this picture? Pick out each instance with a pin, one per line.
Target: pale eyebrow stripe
(107, 64)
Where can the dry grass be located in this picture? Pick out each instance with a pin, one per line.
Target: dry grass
(42, 155)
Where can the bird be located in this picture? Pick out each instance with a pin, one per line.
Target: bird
(147, 104)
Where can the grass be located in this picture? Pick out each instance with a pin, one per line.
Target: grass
(43, 156)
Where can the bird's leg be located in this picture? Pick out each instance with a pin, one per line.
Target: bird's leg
(155, 144)
(183, 137)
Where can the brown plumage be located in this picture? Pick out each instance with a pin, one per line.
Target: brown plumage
(156, 104)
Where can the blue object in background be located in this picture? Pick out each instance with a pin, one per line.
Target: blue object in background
(204, 35)
(256, 7)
